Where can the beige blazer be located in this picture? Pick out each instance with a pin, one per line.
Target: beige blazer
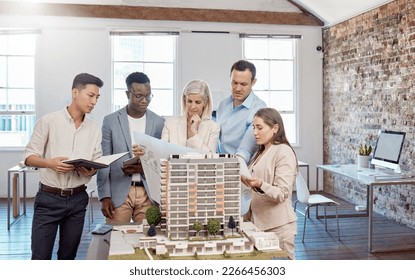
(175, 131)
(277, 168)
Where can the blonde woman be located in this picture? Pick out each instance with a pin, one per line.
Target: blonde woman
(195, 128)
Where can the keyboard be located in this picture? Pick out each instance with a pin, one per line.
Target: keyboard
(380, 176)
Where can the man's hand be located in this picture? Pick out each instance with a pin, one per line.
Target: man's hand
(107, 207)
(59, 166)
(130, 169)
(137, 150)
(83, 171)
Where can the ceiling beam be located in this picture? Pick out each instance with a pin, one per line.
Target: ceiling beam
(157, 13)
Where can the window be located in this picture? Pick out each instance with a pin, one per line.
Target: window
(275, 60)
(151, 53)
(17, 93)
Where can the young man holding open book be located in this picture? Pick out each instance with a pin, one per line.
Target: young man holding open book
(62, 200)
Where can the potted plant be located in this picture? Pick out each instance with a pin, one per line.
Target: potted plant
(364, 154)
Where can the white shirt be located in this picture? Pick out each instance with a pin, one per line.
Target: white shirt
(136, 125)
(55, 135)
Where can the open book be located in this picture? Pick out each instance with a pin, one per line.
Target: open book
(99, 163)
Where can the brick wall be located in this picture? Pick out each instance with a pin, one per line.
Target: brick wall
(369, 78)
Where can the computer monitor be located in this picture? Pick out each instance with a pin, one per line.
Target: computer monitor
(388, 149)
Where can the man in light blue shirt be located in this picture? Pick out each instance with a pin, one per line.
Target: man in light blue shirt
(236, 112)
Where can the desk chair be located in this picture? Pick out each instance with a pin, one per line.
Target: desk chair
(312, 200)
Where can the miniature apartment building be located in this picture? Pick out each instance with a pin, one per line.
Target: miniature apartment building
(198, 188)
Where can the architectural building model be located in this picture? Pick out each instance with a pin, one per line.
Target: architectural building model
(197, 189)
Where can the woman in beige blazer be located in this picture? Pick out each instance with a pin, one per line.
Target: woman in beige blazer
(194, 129)
(273, 170)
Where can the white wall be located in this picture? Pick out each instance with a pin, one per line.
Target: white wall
(68, 46)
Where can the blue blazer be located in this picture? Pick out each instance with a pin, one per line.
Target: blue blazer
(116, 138)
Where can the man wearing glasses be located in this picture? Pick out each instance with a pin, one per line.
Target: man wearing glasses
(120, 187)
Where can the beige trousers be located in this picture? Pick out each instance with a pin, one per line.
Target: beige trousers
(286, 235)
(133, 208)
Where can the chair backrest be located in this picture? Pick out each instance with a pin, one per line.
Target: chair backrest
(302, 190)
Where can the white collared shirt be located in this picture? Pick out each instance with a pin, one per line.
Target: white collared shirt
(55, 135)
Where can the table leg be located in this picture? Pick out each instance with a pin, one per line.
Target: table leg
(8, 198)
(354, 215)
(370, 207)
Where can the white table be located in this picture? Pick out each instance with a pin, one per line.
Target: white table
(353, 172)
(21, 183)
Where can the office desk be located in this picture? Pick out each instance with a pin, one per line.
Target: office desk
(352, 172)
(20, 171)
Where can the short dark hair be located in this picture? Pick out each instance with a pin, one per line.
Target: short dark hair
(242, 65)
(136, 77)
(81, 80)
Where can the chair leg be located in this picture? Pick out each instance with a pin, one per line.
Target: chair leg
(325, 218)
(307, 211)
(337, 220)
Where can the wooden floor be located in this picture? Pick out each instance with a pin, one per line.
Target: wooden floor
(318, 245)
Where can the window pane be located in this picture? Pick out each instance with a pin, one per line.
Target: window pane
(281, 75)
(274, 59)
(122, 70)
(17, 71)
(21, 100)
(262, 74)
(158, 48)
(15, 130)
(256, 48)
(264, 95)
(160, 75)
(162, 102)
(128, 48)
(155, 56)
(3, 71)
(21, 72)
(281, 49)
(21, 44)
(120, 99)
(282, 100)
(3, 99)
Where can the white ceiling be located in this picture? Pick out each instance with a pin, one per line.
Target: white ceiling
(335, 11)
(330, 12)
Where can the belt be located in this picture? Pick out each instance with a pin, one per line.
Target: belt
(62, 192)
(137, 184)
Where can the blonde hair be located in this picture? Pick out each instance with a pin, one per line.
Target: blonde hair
(201, 88)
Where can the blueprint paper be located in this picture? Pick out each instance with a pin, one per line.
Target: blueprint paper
(154, 150)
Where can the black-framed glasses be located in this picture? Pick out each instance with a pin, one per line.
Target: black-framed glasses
(140, 97)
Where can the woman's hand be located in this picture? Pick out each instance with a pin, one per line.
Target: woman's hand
(254, 182)
(194, 123)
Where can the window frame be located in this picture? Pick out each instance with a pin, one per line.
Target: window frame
(295, 88)
(6, 113)
(144, 62)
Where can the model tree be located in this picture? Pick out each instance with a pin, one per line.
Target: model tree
(231, 223)
(151, 231)
(213, 226)
(197, 226)
(153, 215)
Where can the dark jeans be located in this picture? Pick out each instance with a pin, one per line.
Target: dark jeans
(52, 211)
